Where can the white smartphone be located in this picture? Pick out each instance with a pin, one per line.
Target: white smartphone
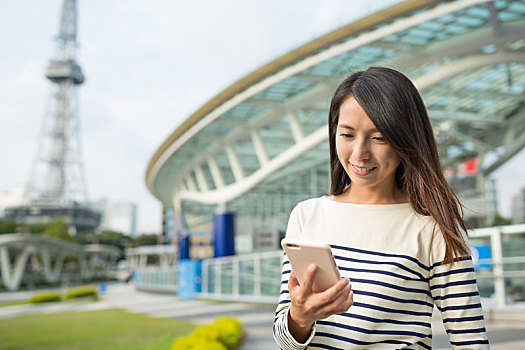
(302, 254)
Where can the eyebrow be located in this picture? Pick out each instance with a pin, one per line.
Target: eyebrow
(349, 127)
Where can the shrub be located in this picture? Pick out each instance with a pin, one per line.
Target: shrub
(81, 292)
(193, 343)
(44, 297)
(223, 334)
(230, 330)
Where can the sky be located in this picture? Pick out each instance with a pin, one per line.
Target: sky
(148, 66)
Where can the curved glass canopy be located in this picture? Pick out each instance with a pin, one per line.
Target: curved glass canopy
(260, 146)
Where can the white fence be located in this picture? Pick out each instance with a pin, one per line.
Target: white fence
(256, 277)
(153, 278)
(503, 280)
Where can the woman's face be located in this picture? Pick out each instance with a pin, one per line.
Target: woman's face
(367, 158)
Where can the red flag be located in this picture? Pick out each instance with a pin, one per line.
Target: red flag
(468, 167)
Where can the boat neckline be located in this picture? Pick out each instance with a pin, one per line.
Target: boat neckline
(391, 205)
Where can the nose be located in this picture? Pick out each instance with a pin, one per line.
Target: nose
(361, 150)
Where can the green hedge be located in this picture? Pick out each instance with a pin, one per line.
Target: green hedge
(224, 333)
(44, 297)
(81, 292)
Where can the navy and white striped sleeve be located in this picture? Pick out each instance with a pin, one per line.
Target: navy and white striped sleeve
(455, 294)
(281, 334)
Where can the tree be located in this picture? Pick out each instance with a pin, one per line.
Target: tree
(87, 237)
(145, 240)
(501, 221)
(7, 226)
(113, 238)
(58, 229)
(37, 228)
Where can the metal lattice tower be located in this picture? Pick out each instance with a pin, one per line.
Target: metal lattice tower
(57, 188)
(58, 176)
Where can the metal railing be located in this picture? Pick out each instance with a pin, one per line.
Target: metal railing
(495, 281)
(153, 278)
(255, 277)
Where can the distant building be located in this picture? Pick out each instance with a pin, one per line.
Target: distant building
(480, 202)
(518, 207)
(13, 197)
(259, 235)
(201, 241)
(266, 240)
(117, 216)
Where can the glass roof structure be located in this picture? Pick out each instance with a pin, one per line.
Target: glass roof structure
(261, 145)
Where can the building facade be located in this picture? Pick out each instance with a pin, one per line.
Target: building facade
(261, 145)
(12, 197)
(117, 216)
(518, 207)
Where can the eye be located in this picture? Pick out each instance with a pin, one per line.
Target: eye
(379, 138)
(346, 136)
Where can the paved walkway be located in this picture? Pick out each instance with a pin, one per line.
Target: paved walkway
(257, 319)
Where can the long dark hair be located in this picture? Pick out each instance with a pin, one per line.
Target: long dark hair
(395, 107)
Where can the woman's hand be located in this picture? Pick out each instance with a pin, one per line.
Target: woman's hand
(308, 307)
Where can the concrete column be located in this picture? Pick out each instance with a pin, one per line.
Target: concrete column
(52, 273)
(184, 247)
(135, 261)
(257, 276)
(143, 260)
(85, 271)
(224, 230)
(499, 281)
(12, 275)
(236, 280)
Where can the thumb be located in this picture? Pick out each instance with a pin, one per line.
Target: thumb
(309, 277)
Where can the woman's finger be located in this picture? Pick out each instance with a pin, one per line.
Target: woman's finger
(333, 292)
(293, 283)
(341, 303)
(344, 304)
(309, 277)
(343, 300)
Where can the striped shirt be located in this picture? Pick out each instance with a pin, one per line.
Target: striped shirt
(392, 257)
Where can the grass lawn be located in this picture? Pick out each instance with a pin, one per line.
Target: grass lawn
(13, 303)
(107, 329)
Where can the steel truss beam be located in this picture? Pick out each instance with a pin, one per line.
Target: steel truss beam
(457, 47)
(514, 141)
(464, 117)
(335, 50)
(423, 82)
(16, 249)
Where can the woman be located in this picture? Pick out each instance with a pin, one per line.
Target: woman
(395, 229)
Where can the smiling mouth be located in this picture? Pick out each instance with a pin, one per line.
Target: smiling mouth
(362, 169)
